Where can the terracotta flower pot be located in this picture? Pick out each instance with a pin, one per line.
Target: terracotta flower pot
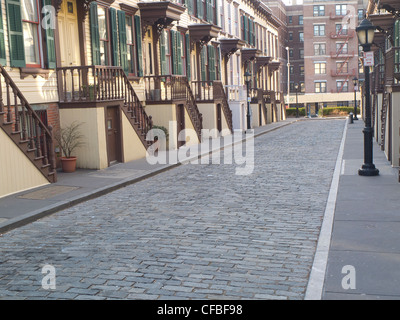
(68, 164)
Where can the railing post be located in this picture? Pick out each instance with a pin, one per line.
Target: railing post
(52, 157)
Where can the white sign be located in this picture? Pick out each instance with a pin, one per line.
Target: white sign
(369, 59)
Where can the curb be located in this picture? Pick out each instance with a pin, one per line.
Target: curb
(27, 218)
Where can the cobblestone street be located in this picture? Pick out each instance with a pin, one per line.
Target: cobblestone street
(193, 232)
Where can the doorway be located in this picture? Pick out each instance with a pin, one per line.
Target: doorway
(69, 34)
(113, 129)
(180, 119)
(219, 118)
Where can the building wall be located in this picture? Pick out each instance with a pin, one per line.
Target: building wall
(17, 172)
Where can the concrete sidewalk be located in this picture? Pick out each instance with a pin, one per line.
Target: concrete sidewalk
(364, 251)
(72, 188)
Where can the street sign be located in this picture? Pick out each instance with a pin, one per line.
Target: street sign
(369, 59)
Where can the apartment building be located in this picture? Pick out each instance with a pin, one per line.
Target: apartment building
(121, 68)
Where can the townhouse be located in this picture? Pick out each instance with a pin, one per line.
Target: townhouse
(385, 78)
(121, 68)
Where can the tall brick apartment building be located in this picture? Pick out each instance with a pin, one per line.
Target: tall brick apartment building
(322, 48)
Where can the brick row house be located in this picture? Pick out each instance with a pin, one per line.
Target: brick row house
(385, 78)
(122, 68)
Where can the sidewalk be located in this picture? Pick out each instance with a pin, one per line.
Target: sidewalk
(365, 241)
(72, 188)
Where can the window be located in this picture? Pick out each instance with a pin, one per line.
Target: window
(341, 9)
(103, 35)
(360, 14)
(165, 52)
(320, 87)
(342, 48)
(342, 67)
(320, 68)
(302, 70)
(130, 56)
(301, 36)
(301, 53)
(319, 11)
(291, 69)
(342, 86)
(290, 35)
(300, 20)
(302, 87)
(229, 14)
(30, 25)
(319, 30)
(319, 49)
(236, 10)
(290, 19)
(341, 29)
(291, 53)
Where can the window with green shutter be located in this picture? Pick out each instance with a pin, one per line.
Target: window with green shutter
(94, 34)
(164, 52)
(123, 42)
(203, 58)
(187, 41)
(139, 46)
(199, 9)
(49, 33)
(177, 52)
(2, 41)
(114, 37)
(15, 33)
(211, 63)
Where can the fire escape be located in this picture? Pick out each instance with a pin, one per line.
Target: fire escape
(340, 54)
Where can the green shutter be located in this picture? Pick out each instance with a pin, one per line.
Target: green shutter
(200, 9)
(94, 34)
(181, 53)
(15, 33)
(188, 75)
(251, 38)
(209, 14)
(211, 63)
(163, 58)
(2, 42)
(123, 48)
(216, 13)
(114, 37)
(189, 4)
(218, 64)
(138, 46)
(203, 54)
(50, 42)
(174, 53)
(244, 23)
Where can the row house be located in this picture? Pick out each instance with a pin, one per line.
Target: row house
(385, 78)
(123, 67)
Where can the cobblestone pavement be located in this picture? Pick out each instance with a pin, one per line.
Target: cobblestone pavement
(193, 232)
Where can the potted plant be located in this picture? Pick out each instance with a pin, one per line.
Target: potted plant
(69, 138)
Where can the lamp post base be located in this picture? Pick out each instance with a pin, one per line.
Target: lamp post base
(368, 170)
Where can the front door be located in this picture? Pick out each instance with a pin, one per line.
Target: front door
(68, 34)
(113, 135)
(180, 119)
(260, 114)
(219, 118)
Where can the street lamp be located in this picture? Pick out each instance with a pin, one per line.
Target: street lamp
(365, 32)
(296, 86)
(355, 82)
(247, 78)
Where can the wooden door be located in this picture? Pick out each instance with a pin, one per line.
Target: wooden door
(69, 35)
(219, 118)
(113, 129)
(180, 119)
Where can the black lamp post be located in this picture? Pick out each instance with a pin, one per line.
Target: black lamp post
(365, 33)
(296, 86)
(247, 77)
(355, 82)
